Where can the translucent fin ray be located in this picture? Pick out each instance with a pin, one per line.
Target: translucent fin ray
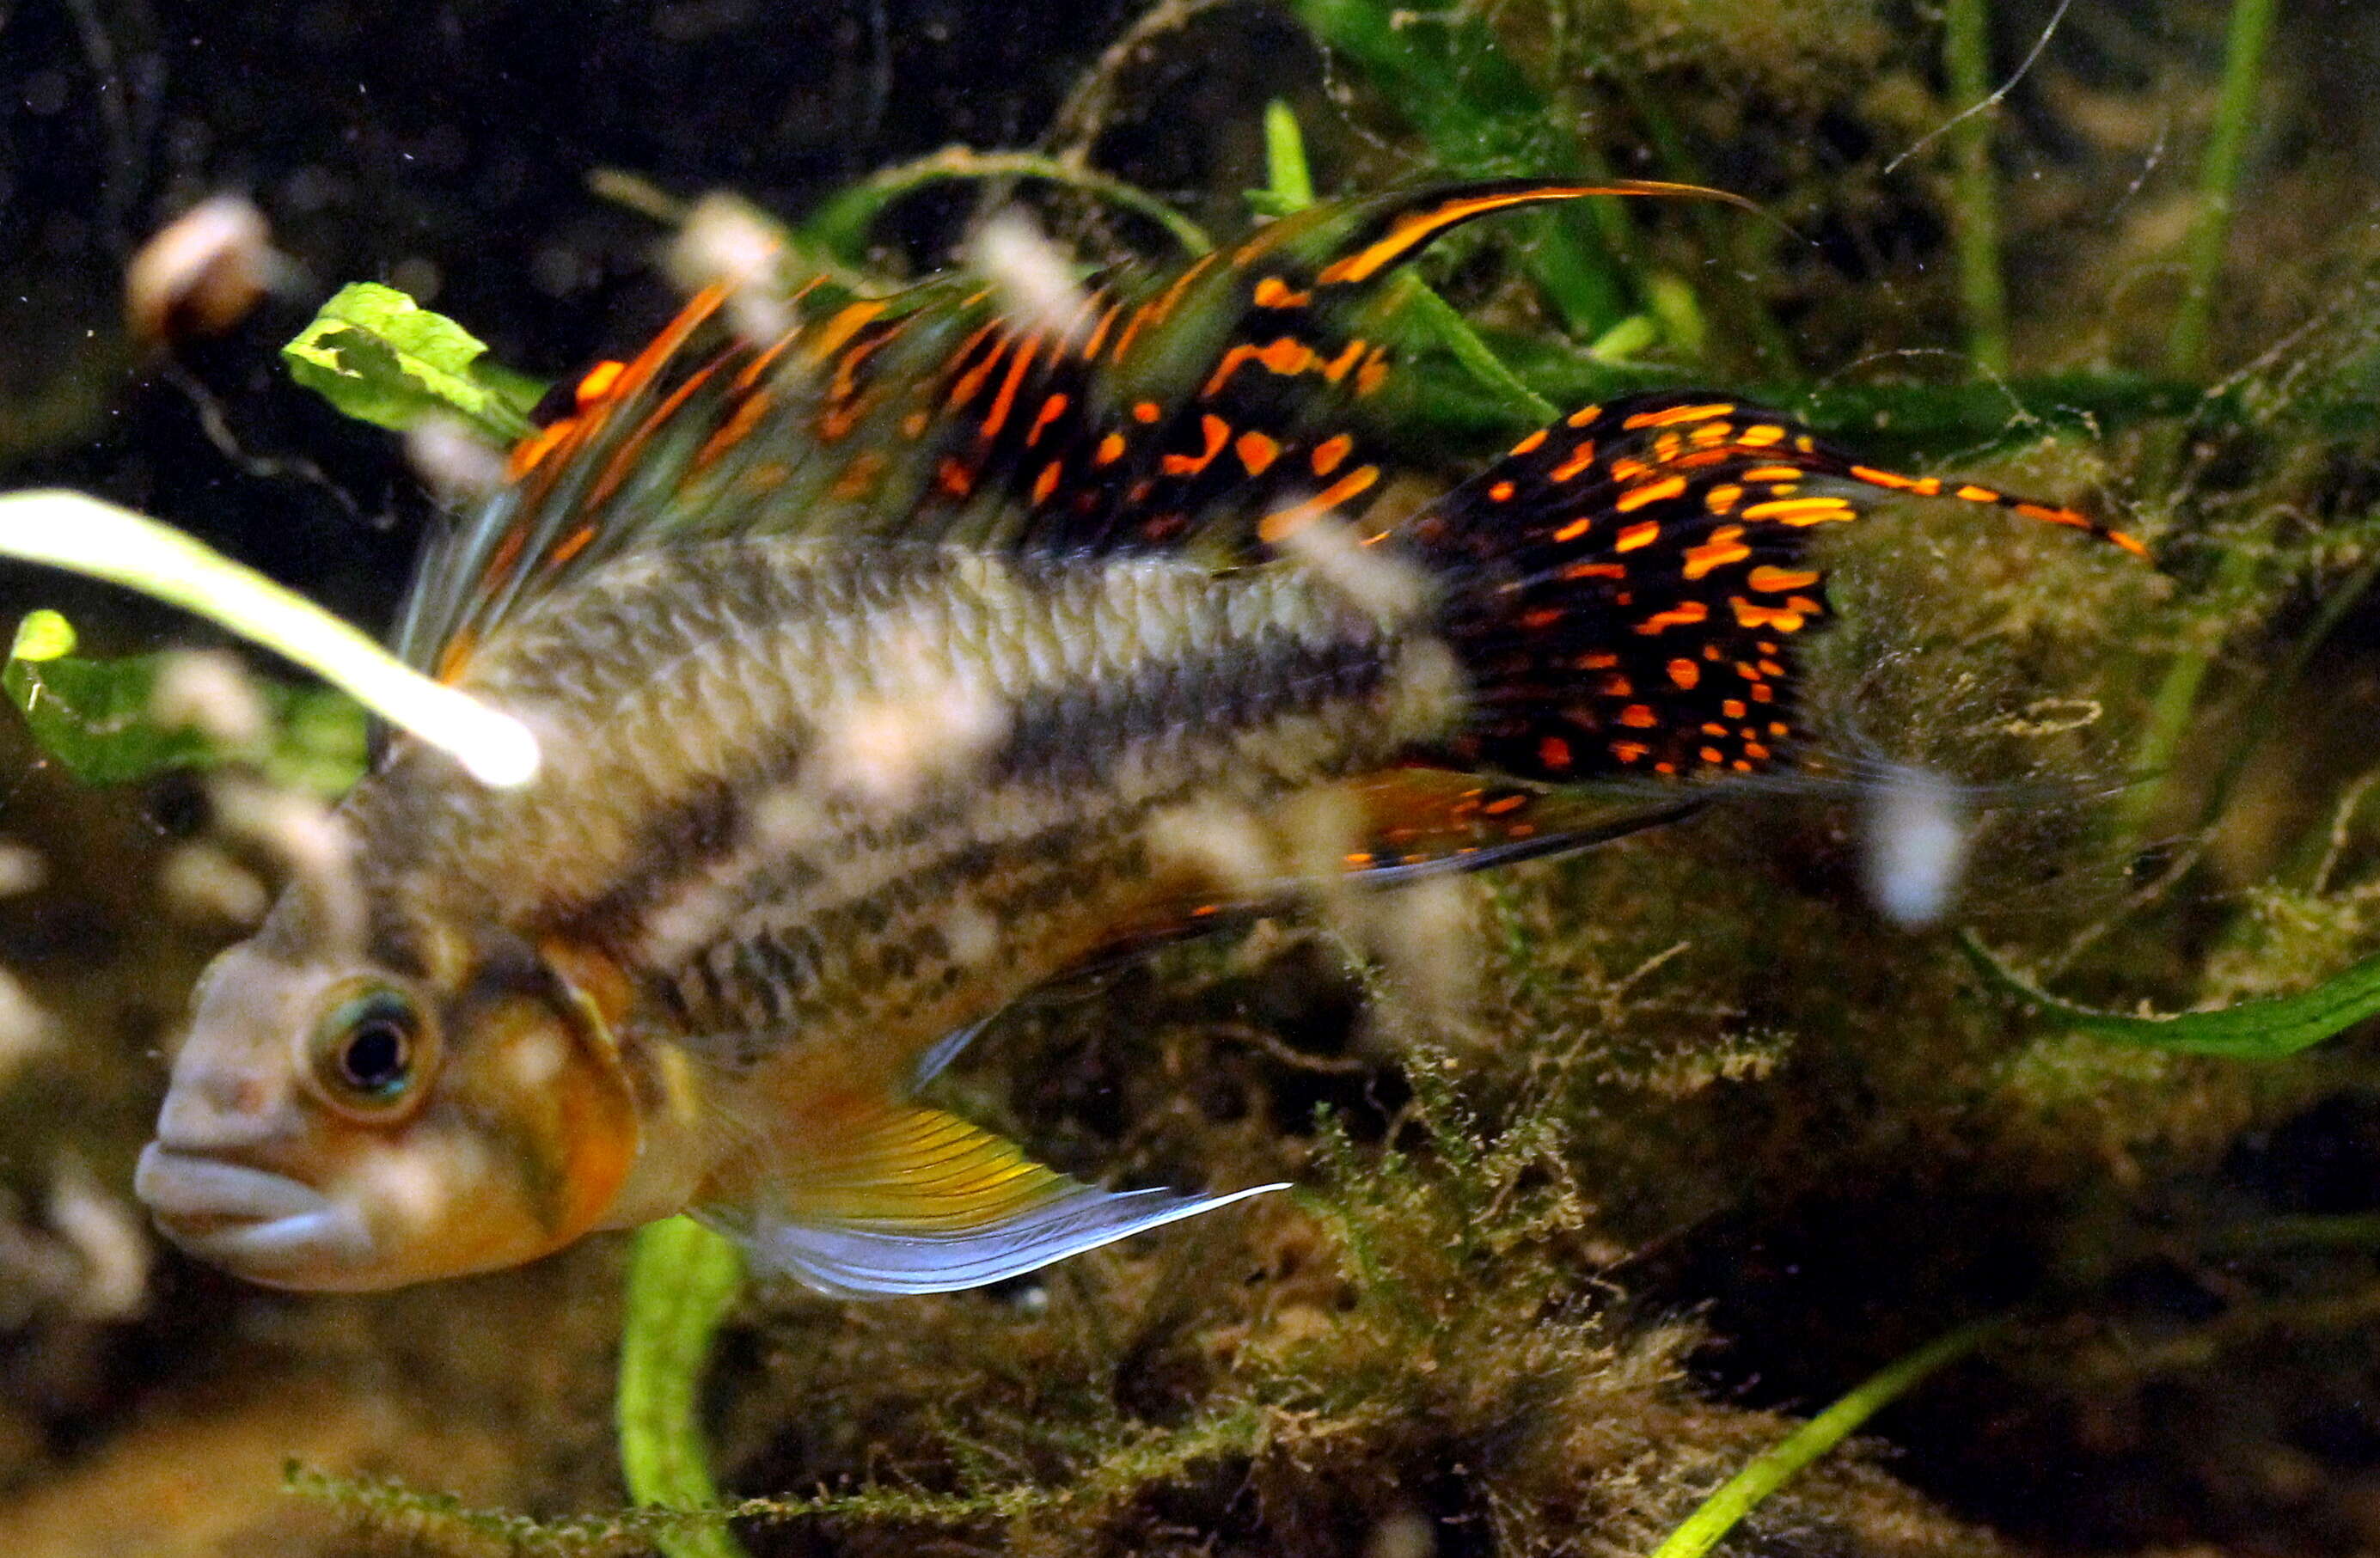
(865, 1261)
(890, 1196)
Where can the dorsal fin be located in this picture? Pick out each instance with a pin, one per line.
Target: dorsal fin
(1211, 407)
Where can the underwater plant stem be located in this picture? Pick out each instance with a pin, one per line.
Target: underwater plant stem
(2219, 181)
(2176, 700)
(1975, 214)
(681, 1278)
(841, 225)
(1791, 1455)
(1772, 348)
(1411, 295)
(1445, 74)
(82, 535)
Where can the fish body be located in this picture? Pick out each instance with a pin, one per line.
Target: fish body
(852, 740)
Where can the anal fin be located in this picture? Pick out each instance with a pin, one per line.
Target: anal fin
(901, 1198)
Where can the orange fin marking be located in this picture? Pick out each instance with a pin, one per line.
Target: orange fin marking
(1415, 228)
(1280, 523)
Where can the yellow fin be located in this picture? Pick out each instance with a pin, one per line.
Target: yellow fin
(900, 1198)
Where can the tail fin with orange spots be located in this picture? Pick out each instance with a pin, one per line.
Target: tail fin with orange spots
(1626, 586)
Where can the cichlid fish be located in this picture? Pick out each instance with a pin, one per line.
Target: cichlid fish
(890, 670)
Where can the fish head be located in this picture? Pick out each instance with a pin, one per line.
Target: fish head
(338, 1125)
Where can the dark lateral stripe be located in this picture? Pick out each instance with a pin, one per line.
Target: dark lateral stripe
(682, 841)
(1078, 733)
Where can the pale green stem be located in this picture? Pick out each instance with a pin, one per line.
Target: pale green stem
(1975, 214)
(2176, 700)
(2219, 181)
(842, 224)
(1720, 1514)
(681, 1278)
(1409, 294)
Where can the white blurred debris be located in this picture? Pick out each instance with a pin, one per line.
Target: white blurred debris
(1427, 938)
(21, 870)
(204, 885)
(453, 461)
(1379, 584)
(727, 243)
(1033, 276)
(1407, 1533)
(208, 691)
(922, 723)
(1215, 843)
(25, 1028)
(1913, 843)
(1324, 829)
(110, 1237)
(200, 273)
(305, 837)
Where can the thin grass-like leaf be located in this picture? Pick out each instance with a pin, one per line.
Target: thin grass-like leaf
(2219, 181)
(1443, 71)
(2266, 1029)
(1742, 1493)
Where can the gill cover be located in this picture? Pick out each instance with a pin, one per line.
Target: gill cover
(570, 1118)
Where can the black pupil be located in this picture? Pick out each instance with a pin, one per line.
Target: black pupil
(374, 1058)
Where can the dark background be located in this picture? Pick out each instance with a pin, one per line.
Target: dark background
(445, 150)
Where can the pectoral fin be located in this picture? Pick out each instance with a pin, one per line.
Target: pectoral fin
(904, 1199)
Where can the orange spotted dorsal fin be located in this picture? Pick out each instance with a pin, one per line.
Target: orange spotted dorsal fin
(1216, 406)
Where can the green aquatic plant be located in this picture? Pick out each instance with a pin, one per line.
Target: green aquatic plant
(106, 722)
(2266, 1029)
(382, 358)
(99, 540)
(1975, 206)
(682, 1280)
(1726, 1508)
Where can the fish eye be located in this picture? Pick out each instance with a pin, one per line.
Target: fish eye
(369, 1051)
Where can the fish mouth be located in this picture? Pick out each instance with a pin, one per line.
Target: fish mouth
(266, 1227)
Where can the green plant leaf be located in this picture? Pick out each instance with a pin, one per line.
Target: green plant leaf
(101, 717)
(681, 1278)
(1289, 182)
(382, 358)
(2266, 1030)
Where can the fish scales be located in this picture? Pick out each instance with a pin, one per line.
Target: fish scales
(887, 671)
(703, 817)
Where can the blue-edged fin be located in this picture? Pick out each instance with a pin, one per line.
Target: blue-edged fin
(900, 1198)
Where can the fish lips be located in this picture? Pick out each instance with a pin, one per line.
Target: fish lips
(266, 1227)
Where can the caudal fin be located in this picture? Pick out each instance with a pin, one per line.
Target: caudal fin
(1626, 586)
